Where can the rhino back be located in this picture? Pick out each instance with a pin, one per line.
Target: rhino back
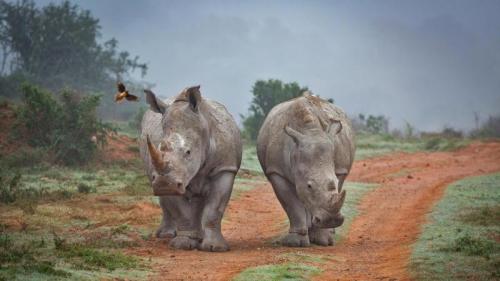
(226, 147)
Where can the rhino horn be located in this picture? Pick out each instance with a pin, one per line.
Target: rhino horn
(156, 158)
(337, 201)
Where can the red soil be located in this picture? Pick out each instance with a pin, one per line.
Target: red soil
(378, 244)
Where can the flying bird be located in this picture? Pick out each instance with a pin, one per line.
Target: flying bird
(123, 94)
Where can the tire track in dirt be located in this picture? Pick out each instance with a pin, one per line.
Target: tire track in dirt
(377, 246)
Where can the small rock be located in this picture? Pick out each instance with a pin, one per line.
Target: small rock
(410, 176)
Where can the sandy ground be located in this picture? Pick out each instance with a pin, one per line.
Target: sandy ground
(378, 244)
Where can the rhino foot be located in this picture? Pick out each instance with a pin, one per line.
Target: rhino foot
(295, 240)
(184, 243)
(164, 232)
(213, 242)
(321, 236)
(217, 244)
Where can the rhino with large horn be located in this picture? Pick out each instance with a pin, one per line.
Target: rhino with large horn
(191, 149)
(306, 149)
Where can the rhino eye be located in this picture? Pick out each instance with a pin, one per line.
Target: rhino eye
(309, 185)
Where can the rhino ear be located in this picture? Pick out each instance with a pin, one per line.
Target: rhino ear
(155, 104)
(335, 127)
(295, 135)
(194, 96)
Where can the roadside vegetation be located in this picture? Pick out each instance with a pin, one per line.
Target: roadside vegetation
(287, 271)
(460, 241)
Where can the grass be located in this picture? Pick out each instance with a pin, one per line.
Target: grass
(355, 192)
(460, 242)
(24, 256)
(287, 271)
(97, 204)
(250, 160)
(371, 145)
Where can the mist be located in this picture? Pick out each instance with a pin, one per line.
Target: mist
(429, 63)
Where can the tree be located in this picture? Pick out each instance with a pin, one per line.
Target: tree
(267, 94)
(57, 46)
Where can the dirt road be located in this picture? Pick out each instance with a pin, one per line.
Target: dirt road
(377, 246)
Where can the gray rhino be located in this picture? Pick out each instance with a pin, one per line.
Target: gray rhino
(306, 149)
(191, 149)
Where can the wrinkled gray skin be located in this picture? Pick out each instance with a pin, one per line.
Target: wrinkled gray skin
(191, 149)
(306, 149)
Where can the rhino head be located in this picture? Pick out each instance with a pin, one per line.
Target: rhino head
(184, 143)
(316, 183)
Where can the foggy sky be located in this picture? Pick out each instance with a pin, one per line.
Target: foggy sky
(431, 63)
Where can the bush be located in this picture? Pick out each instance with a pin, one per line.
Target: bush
(74, 139)
(473, 246)
(85, 188)
(39, 116)
(489, 129)
(11, 192)
(24, 156)
(69, 128)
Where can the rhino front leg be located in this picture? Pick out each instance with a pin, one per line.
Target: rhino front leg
(167, 226)
(215, 204)
(184, 214)
(295, 210)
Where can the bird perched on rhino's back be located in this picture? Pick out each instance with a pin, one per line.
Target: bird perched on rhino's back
(191, 149)
(306, 149)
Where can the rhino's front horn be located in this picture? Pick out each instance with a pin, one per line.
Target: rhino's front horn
(156, 158)
(337, 201)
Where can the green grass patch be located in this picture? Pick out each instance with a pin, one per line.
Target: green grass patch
(371, 145)
(355, 192)
(250, 160)
(139, 186)
(460, 242)
(288, 271)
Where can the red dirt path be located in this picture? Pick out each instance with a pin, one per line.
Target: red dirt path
(378, 244)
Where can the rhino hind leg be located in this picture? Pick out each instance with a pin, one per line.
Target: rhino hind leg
(322, 236)
(215, 204)
(295, 210)
(167, 226)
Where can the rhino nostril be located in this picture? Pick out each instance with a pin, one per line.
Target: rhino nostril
(179, 184)
(154, 177)
(316, 220)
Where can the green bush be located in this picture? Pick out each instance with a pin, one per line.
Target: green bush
(473, 246)
(69, 127)
(23, 157)
(12, 192)
(489, 129)
(85, 188)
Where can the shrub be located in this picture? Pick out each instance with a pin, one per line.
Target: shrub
(23, 157)
(11, 192)
(489, 129)
(68, 127)
(473, 246)
(39, 116)
(85, 188)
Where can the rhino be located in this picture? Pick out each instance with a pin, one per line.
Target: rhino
(306, 149)
(191, 149)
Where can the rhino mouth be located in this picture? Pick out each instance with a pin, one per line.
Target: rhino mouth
(328, 221)
(163, 186)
